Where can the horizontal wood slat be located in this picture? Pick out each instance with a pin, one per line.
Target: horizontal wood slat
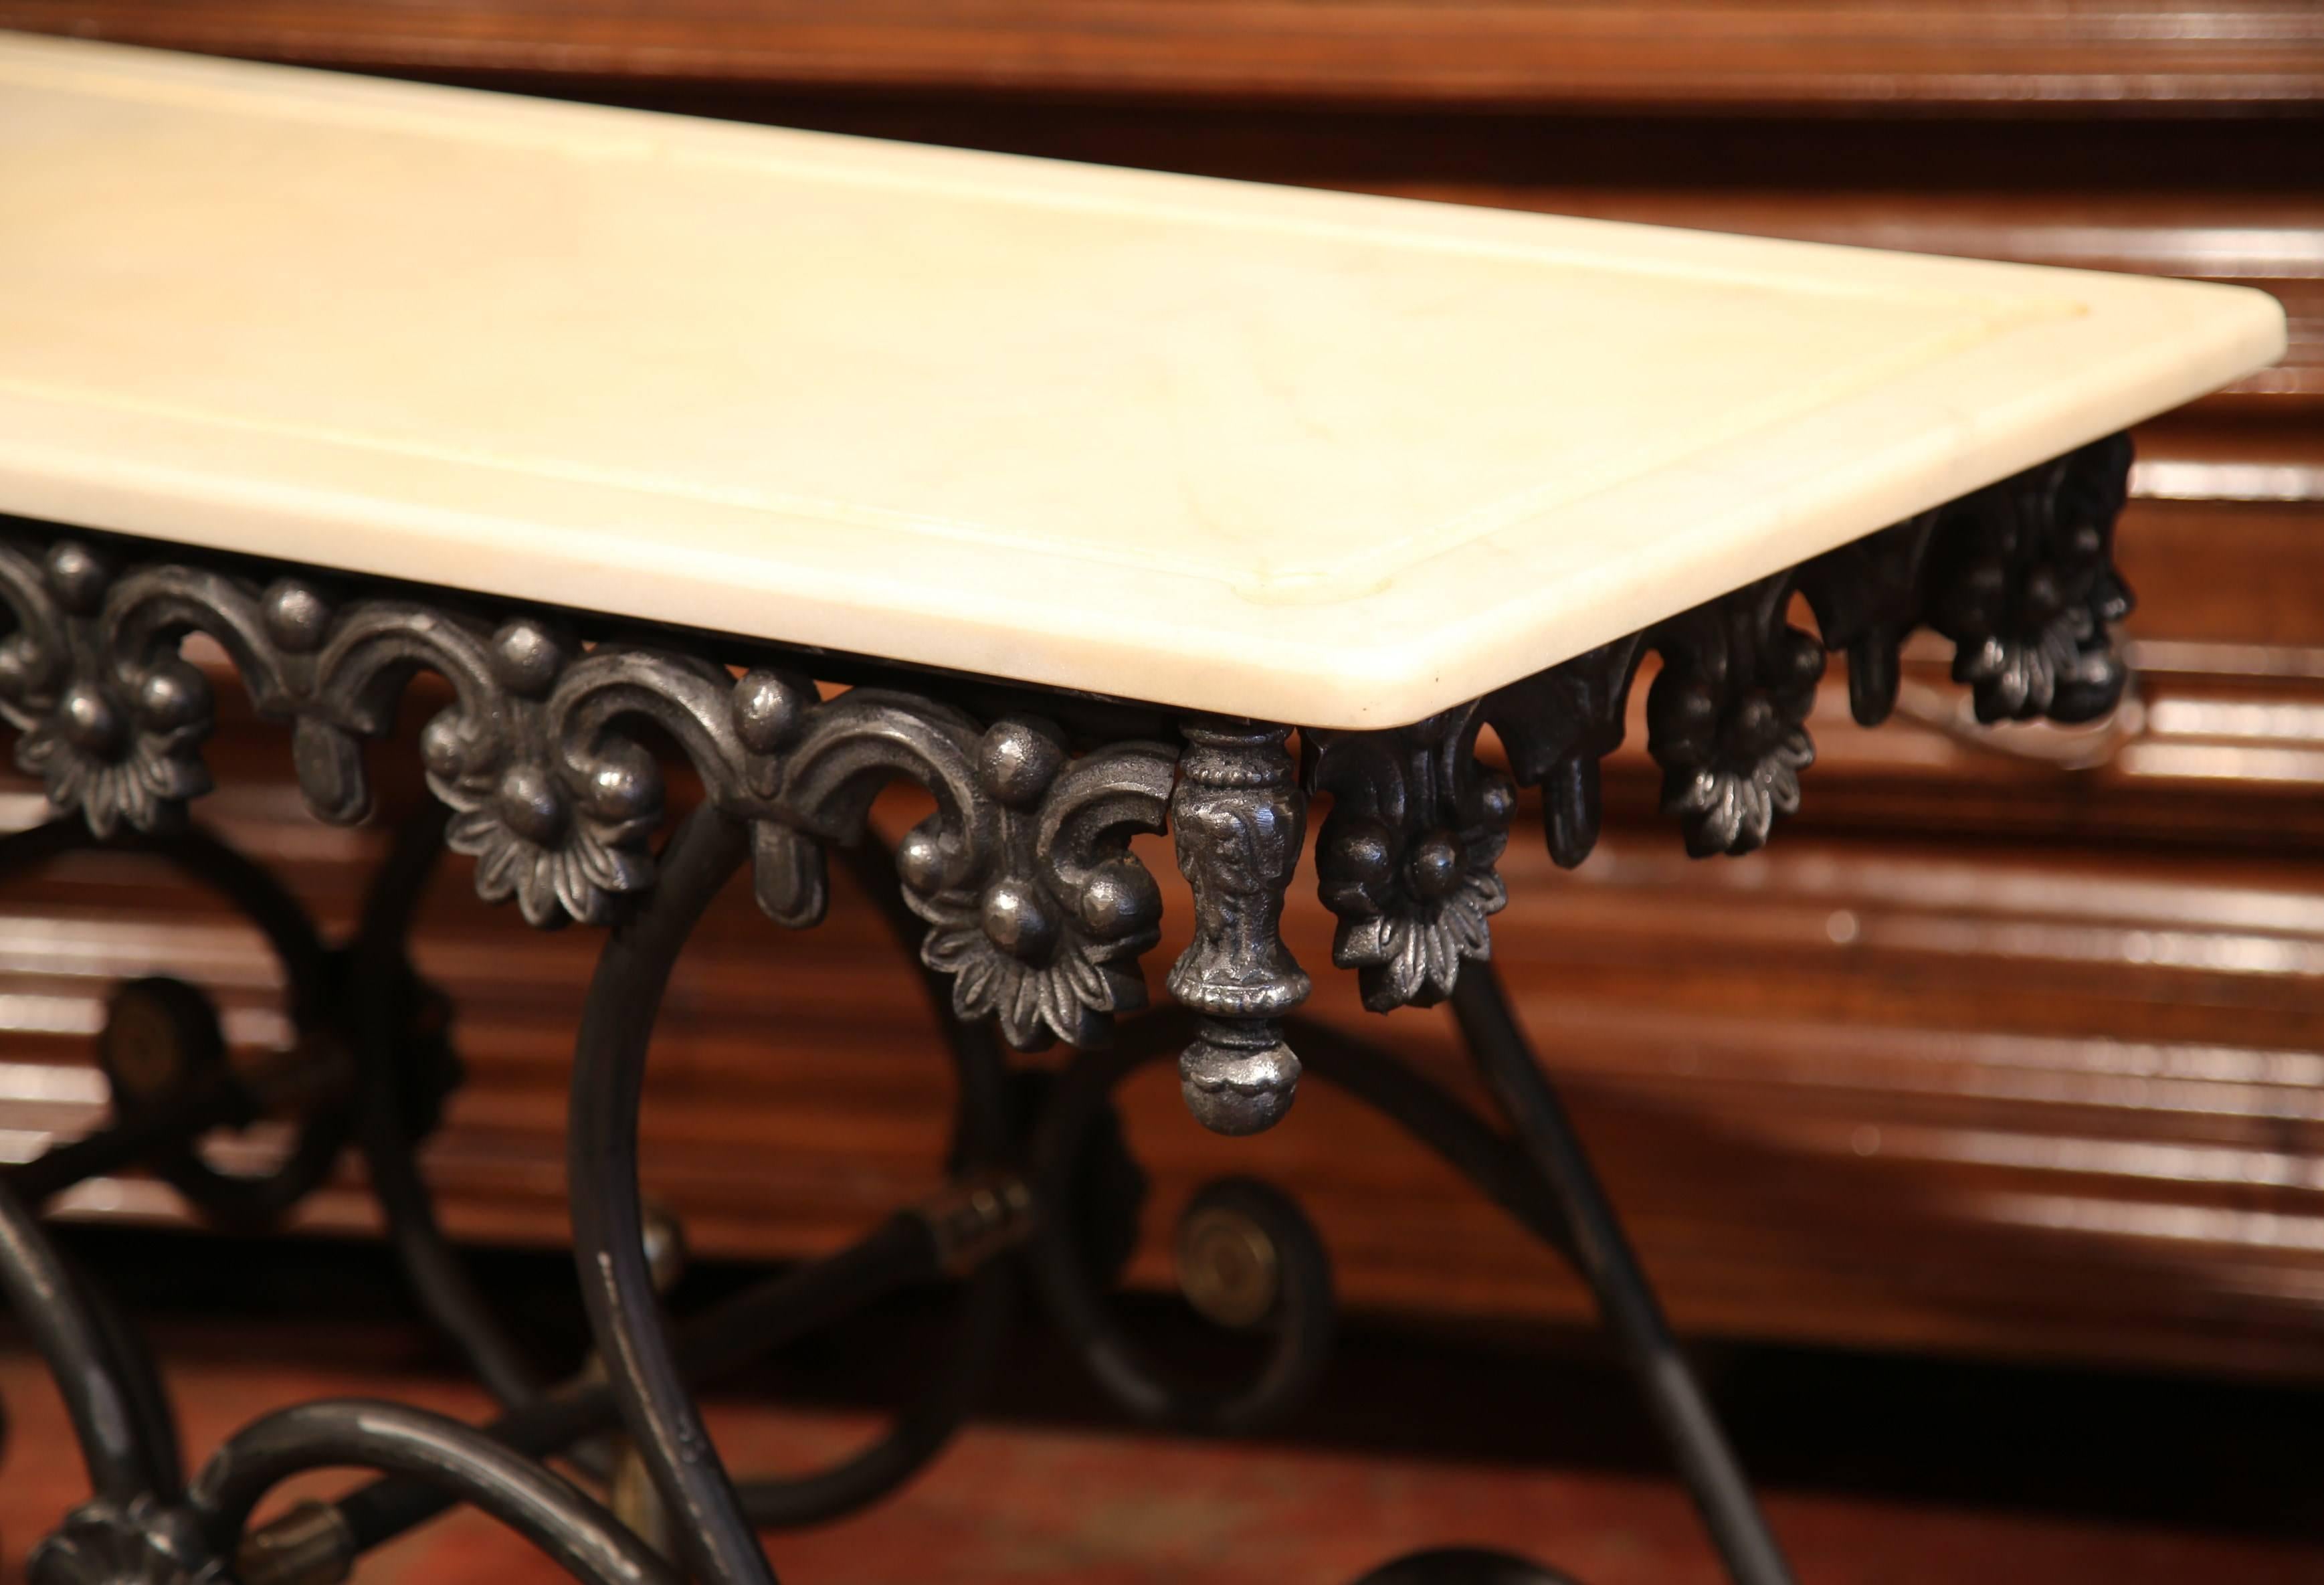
(1856, 53)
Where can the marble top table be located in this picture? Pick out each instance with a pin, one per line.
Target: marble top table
(1094, 486)
(1313, 458)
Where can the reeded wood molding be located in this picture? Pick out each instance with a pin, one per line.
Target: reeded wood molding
(1858, 54)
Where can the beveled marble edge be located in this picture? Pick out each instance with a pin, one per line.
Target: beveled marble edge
(1349, 665)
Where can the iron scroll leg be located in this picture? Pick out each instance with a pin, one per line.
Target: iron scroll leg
(1505, 1059)
(100, 1397)
(617, 1022)
(378, 1028)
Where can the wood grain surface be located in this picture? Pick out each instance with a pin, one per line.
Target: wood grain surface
(2013, 54)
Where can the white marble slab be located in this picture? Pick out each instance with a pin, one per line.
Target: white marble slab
(1307, 456)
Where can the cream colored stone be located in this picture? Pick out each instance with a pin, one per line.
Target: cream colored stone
(1302, 456)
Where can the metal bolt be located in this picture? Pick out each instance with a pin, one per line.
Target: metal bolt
(1228, 1268)
(308, 1545)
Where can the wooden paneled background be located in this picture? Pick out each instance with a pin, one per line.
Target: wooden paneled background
(2014, 1043)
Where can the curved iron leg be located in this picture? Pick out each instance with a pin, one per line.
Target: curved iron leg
(1301, 1330)
(1505, 1059)
(982, 1136)
(902, 1250)
(374, 983)
(141, 1380)
(104, 1409)
(981, 1141)
(608, 1226)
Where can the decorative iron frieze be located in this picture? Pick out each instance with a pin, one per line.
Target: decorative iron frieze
(2019, 576)
(1037, 909)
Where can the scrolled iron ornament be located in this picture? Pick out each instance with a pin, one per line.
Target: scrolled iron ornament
(1867, 597)
(1045, 936)
(113, 733)
(1036, 907)
(1725, 720)
(564, 844)
(1556, 725)
(1405, 859)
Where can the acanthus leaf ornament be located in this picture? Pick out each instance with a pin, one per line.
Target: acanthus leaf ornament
(1405, 859)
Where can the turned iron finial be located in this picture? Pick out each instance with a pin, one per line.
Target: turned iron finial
(1239, 817)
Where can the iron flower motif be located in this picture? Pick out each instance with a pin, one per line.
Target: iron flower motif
(1407, 856)
(563, 842)
(1732, 747)
(133, 766)
(122, 745)
(2054, 664)
(1048, 938)
(1410, 913)
(2029, 589)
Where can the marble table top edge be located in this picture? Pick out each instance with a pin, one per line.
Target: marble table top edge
(1950, 374)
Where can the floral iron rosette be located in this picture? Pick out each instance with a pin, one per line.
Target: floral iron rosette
(1045, 936)
(1726, 718)
(1405, 859)
(2024, 582)
(121, 745)
(563, 840)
